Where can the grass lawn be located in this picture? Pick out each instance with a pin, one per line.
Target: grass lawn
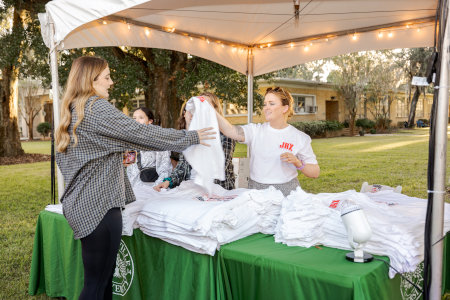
(399, 159)
(42, 147)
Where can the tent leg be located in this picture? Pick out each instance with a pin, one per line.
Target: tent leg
(55, 90)
(250, 85)
(440, 153)
(249, 90)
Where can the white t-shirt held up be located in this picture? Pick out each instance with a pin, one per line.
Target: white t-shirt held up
(267, 144)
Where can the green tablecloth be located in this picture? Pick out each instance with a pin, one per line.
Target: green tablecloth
(252, 268)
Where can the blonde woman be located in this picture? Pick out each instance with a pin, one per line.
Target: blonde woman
(91, 140)
(183, 170)
(277, 150)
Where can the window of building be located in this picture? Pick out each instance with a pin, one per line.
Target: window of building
(402, 108)
(304, 104)
(233, 109)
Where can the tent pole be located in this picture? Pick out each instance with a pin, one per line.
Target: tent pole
(440, 153)
(55, 89)
(250, 85)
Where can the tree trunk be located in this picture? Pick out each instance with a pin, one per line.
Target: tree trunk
(412, 109)
(9, 129)
(352, 113)
(30, 127)
(165, 104)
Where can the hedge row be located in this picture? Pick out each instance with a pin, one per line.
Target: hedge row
(318, 128)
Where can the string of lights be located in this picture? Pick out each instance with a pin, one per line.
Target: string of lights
(387, 31)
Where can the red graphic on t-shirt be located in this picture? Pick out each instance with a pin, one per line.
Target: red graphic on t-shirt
(201, 99)
(334, 203)
(287, 146)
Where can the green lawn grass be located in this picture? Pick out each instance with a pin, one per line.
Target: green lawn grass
(42, 147)
(399, 159)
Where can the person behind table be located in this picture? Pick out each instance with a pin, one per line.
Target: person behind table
(91, 140)
(157, 159)
(183, 170)
(277, 150)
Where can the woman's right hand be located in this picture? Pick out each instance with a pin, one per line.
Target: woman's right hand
(206, 134)
(162, 185)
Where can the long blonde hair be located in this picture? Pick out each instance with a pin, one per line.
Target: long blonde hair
(85, 70)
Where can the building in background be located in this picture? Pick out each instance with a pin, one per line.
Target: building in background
(32, 89)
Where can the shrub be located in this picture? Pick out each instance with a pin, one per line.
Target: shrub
(373, 131)
(402, 124)
(318, 128)
(382, 123)
(365, 123)
(44, 128)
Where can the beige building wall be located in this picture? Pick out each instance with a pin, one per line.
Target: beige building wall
(323, 93)
(330, 105)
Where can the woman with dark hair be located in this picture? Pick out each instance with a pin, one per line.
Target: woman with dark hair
(277, 150)
(91, 140)
(159, 161)
(183, 170)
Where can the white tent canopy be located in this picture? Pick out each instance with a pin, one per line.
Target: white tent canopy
(224, 31)
(256, 37)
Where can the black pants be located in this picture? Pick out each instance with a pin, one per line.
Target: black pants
(99, 252)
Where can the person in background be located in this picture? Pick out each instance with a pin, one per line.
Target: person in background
(91, 139)
(183, 171)
(277, 150)
(157, 159)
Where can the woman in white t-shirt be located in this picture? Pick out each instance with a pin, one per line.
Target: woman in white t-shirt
(157, 159)
(277, 150)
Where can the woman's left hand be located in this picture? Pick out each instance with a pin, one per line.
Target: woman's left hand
(291, 158)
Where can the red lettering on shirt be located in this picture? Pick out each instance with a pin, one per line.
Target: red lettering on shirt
(334, 203)
(287, 146)
(202, 99)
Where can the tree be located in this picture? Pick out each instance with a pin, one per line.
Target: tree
(350, 79)
(15, 28)
(166, 78)
(384, 80)
(414, 62)
(30, 105)
(313, 71)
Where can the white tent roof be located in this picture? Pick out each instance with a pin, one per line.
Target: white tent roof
(225, 31)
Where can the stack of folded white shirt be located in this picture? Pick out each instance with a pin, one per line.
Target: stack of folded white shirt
(397, 223)
(179, 217)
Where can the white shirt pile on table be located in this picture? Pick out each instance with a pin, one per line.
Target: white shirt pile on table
(397, 223)
(56, 208)
(179, 217)
(208, 163)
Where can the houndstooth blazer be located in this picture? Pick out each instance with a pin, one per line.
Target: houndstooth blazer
(94, 176)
